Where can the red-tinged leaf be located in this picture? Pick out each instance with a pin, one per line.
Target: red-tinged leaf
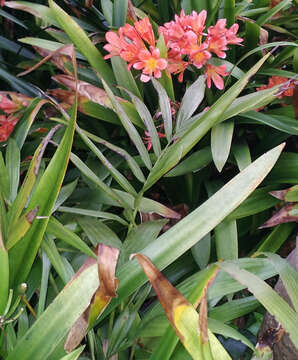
(65, 49)
(91, 92)
(282, 216)
(107, 257)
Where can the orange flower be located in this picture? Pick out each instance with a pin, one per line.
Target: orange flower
(285, 90)
(199, 56)
(214, 73)
(144, 28)
(150, 63)
(7, 125)
(7, 105)
(114, 45)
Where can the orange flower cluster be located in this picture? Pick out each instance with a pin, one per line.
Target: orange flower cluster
(186, 42)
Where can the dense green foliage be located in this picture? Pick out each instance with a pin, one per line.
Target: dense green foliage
(100, 161)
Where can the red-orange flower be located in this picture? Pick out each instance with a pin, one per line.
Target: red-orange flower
(286, 90)
(150, 63)
(7, 125)
(7, 105)
(144, 28)
(214, 73)
(114, 45)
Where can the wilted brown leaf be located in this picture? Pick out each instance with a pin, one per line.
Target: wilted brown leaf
(107, 257)
(281, 216)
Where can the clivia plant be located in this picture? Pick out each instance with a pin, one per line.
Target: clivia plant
(158, 156)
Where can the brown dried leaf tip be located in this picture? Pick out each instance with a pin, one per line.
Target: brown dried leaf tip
(107, 258)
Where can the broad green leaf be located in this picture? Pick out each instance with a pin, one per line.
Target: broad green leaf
(165, 108)
(124, 76)
(241, 104)
(195, 162)
(74, 355)
(241, 153)
(258, 201)
(139, 237)
(187, 232)
(219, 327)
(221, 140)
(46, 44)
(61, 232)
(288, 275)
(107, 9)
(129, 127)
(201, 251)
(82, 42)
(50, 328)
(226, 240)
(285, 170)
(119, 12)
(191, 100)
(234, 309)
(279, 122)
(98, 232)
(199, 128)
(22, 255)
(276, 238)
(274, 304)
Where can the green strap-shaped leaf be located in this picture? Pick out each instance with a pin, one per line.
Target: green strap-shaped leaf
(61, 232)
(221, 140)
(128, 126)
(187, 232)
(121, 179)
(82, 42)
(176, 151)
(275, 304)
(191, 100)
(4, 271)
(148, 122)
(52, 326)
(165, 108)
(22, 255)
